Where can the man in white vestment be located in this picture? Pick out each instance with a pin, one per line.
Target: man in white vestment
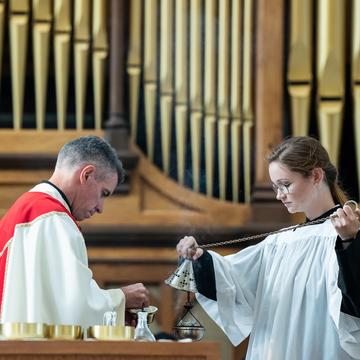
(44, 273)
(297, 293)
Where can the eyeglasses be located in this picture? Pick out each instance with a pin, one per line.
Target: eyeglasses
(283, 188)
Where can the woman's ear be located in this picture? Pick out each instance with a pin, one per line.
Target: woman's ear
(318, 175)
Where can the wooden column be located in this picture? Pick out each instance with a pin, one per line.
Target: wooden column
(269, 87)
(117, 126)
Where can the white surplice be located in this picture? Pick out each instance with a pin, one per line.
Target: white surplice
(47, 278)
(284, 292)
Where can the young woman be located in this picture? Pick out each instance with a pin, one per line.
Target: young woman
(298, 292)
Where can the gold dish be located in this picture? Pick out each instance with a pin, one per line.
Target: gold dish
(151, 310)
(20, 331)
(65, 332)
(105, 332)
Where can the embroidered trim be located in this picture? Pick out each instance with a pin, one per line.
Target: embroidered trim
(5, 247)
(29, 224)
(43, 216)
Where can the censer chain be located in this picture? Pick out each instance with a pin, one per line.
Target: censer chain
(259, 236)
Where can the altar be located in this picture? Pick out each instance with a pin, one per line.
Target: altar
(104, 350)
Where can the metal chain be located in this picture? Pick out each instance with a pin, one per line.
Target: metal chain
(353, 204)
(259, 236)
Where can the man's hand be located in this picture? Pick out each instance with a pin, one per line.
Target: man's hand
(136, 296)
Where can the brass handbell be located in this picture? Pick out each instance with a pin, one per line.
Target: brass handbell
(183, 277)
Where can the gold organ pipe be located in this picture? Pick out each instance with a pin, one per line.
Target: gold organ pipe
(330, 113)
(247, 101)
(299, 68)
(99, 63)
(81, 55)
(181, 85)
(62, 35)
(134, 53)
(300, 48)
(223, 134)
(62, 15)
(356, 96)
(150, 43)
(223, 94)
(181, 64)
(235, 157)
(196, 131)
(210, 57)
(210, 128)
(181, 113)
(166, 35)
(195, 89)
(82, 20)
(235, 96)
(355, 48)
(300, 107)
(134, 63)
(41, 10)
(150, 72)
(224, 59)
(99, 32)
(195, 55)
(100, 53)
(235, 81)
(166, 104)
(19, 6)
(331, 48)
(41, 38)
(150, 92)
(210, 92)
(356, 80)
(166, 76)
(331, 52)
(134, 73)
(19, 20)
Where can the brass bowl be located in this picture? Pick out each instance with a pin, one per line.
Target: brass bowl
(151, 310)
(65, 332)
(20, 331)
(105, 332)
(195, 333)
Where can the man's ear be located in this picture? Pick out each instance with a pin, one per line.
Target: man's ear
(318, 175)
(87, 172)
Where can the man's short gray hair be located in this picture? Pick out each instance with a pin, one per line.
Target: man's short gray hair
(91, 150)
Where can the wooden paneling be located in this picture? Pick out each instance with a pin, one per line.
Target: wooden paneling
(81, 350)
(33, 141)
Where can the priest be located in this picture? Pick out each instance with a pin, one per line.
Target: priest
(44, 273)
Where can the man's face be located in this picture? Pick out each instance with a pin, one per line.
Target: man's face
(92, 192)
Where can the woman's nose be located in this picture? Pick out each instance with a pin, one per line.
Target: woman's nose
(279, 195)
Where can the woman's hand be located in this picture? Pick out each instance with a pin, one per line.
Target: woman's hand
(346, 222)
(189, 248)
